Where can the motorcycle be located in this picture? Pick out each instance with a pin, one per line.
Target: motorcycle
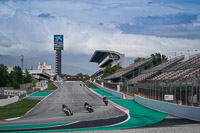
(67, 110)
(105, 100)
(89, 108)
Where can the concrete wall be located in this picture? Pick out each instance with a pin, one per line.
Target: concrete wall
(4, 102)
(115, 93)
(25, 86)
(42, 85)
(189, 112)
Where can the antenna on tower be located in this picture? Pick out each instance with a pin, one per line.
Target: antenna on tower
(22, 61)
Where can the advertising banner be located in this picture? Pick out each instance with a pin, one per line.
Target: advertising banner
(13, 92)
(169, 97)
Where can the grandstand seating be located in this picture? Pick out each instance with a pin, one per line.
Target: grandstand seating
(172, 75)
(195, 73)
(128, 69)
(154, 71)
(141, 77)
(189, 63)
(165, 65)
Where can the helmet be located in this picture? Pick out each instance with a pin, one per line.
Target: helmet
(85, 101)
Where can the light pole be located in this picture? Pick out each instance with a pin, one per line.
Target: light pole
(22, 61)
(188, 54)
(126, 80)
(196, 52)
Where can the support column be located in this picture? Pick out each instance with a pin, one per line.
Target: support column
(58, 62)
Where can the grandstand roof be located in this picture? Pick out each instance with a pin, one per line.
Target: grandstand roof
(128, 69)
(99, 54)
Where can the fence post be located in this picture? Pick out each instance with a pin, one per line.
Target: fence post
(118, 88)
(102, 84)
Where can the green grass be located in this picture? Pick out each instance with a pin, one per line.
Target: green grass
(17, 109)
(90, 85)
(51, 87)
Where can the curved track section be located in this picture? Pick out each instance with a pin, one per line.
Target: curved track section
(73, 95)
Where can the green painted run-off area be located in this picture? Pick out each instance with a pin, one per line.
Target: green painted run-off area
(139, 116)
(40, 94)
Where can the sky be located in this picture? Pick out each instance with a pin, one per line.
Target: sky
(135, 28)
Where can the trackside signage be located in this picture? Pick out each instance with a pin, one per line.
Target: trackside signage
(58, 42)
(169, 97)
(13, 92)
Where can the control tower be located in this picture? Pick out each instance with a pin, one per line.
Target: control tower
(58, 46)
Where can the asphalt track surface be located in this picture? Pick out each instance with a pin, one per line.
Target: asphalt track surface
(73, 95)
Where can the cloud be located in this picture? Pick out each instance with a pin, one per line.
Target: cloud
(45, 15)
(27, 27)
(173, 25)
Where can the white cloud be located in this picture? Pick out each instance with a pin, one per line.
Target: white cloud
(23, 32)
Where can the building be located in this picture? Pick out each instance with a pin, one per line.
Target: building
(44, 72)
(105, 58)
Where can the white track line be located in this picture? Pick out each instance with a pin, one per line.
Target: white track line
(32, 108)
(115, 105)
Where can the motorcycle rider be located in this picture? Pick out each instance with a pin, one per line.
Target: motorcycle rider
(86, 104)
(88, 107)
(105, 100)
(67, 110)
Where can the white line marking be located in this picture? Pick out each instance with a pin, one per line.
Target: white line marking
(115, 105)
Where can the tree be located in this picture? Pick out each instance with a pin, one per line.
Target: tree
(55, 77)
(4, 76)
(27, 77)
(18, 74)
(13, 80)
(138, 59)
(110, 70)
(158, 58)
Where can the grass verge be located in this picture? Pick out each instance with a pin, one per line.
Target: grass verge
(90, 85)
(17, 109)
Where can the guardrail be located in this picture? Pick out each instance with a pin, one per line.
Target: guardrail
(4, 102)
(187, 112)
(115, 93)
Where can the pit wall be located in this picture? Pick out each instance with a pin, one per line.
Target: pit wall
(187, 112)
(4, 102)
(115, 93)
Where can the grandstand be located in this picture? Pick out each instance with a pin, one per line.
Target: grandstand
(44, 72)
(105, 58)
(131, 71)
(154, 71)
(181, 81)
(172, 87)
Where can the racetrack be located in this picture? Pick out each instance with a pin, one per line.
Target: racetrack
(73, 95)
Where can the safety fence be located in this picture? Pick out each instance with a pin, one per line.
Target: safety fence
(182, 93)
(113, 92)
(122, 87)
(188, 112)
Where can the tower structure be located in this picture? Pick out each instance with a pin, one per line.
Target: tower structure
(22, 61)
(58, 46)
